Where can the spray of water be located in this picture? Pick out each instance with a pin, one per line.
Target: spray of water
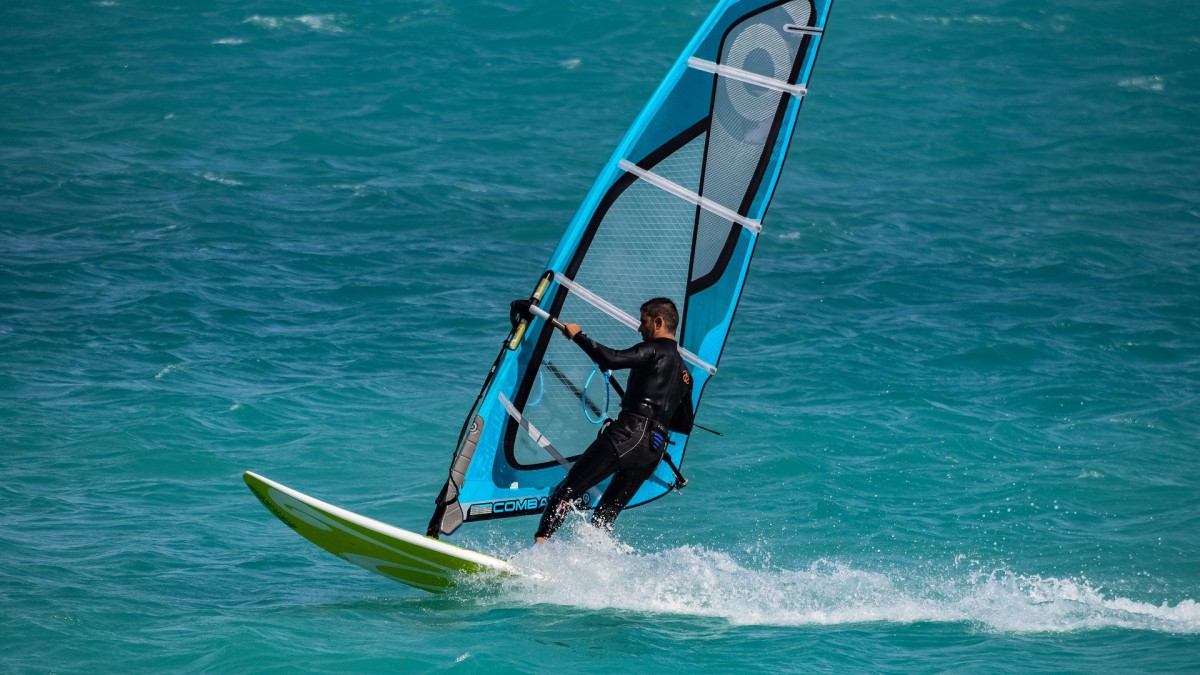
(590, 570)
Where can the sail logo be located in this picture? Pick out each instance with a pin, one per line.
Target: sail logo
(508, 506)
(518, 505)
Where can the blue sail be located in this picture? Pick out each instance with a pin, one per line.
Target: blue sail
(676, 213)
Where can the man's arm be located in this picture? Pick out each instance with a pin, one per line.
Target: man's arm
(608, 359)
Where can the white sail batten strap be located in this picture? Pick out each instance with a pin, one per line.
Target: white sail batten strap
(687, 195)
(616, 313)
(747, 76)
(805, 30)
(539, 438)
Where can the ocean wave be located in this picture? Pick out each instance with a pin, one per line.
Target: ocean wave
(589, 570)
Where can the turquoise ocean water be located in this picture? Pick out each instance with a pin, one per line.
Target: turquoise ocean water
(961, 401)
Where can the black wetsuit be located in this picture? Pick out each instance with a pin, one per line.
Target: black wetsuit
(658, 397)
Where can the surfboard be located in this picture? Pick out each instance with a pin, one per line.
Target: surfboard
(398, 554)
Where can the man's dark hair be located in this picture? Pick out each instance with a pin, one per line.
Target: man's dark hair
(664, 309)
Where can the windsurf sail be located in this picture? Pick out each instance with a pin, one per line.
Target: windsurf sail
(675, 213)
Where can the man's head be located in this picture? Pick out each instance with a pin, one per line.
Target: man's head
(659, 318)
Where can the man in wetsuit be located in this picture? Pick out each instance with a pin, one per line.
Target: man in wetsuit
(658, 399)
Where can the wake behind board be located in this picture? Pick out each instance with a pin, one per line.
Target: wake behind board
(407, 557)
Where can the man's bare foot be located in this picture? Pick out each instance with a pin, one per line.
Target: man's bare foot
(540, 540)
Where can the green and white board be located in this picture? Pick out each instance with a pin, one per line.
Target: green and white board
(407, 557)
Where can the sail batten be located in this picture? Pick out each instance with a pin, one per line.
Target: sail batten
(747, 76)
(805, 30)
(676, 213)
(687, 195)
(597, 301)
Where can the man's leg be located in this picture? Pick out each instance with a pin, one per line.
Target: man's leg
(596, 464)
(624, 486)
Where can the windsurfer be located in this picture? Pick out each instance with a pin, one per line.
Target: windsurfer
(658, 399)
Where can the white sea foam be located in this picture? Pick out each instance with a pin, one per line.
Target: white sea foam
(324, 23)
(167, 371)
(359, 189)
(210, 176)
(591, 571)
(229, 41)
(264, 21)
(570, 64)
(1147, 83)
